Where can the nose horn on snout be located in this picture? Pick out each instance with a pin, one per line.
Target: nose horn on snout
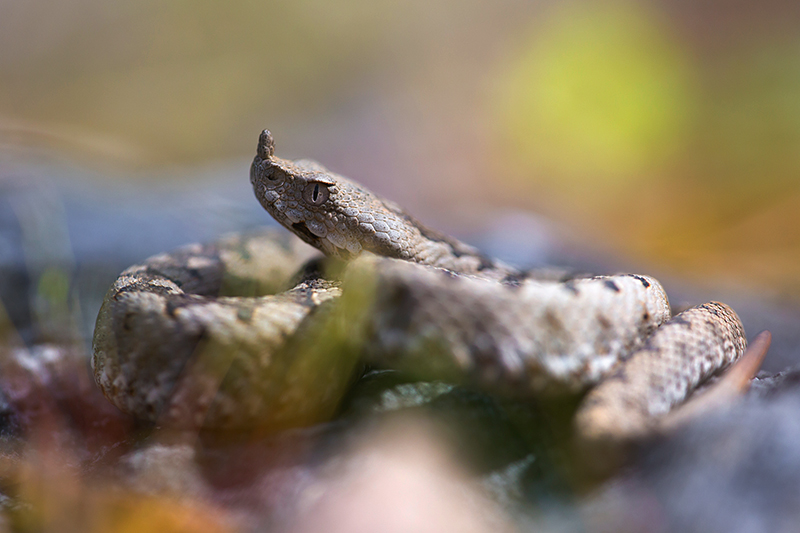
(266, 145)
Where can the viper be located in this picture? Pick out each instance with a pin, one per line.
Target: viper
(256, 330)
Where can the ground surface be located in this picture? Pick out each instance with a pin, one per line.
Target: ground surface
(418, 455)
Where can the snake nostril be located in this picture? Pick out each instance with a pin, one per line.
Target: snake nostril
(273, 175)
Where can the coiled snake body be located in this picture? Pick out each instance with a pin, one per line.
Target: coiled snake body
(205, 337)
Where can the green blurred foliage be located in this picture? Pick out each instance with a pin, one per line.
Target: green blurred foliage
(685, 157)
(601, 94)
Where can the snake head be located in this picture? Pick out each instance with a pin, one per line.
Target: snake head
(322, 208)
(330, 212)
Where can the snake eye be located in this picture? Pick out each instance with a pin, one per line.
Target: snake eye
(316, 193)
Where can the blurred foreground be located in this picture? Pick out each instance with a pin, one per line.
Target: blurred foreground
(660, 137)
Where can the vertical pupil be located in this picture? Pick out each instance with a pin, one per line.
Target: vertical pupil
(315, 195)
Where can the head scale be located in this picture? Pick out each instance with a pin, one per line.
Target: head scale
(326, 210)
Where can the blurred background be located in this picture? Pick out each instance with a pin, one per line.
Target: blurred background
(659, 136)
(668, 131)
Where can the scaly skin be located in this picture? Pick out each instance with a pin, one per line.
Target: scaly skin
(169, 348)
(341, 218)
(537, 337)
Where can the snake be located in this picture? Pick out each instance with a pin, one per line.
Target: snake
(260, 330)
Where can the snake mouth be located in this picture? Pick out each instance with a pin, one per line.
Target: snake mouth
(302, 230)
(324, 245)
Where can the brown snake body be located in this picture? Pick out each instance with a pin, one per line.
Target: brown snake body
(204, 336)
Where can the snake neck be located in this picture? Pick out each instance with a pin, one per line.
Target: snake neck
(342, 219)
